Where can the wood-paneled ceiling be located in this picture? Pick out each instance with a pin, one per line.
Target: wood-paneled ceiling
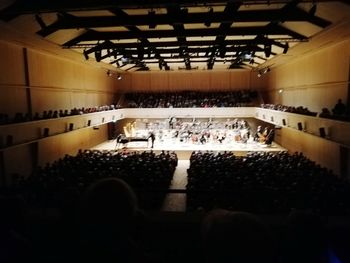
(177, 35)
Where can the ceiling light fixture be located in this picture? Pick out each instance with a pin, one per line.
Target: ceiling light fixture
(98, 55)
(267, 50)
(263, 71)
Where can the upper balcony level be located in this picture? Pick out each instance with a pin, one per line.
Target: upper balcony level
(12, 135)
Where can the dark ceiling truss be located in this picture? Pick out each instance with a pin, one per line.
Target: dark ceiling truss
(260, 38)
(92, 35)
(66, 21)
(195, 43)
(20, 7)
(175, 11)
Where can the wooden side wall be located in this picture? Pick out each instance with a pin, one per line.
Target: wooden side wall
(34, 80)
(321, 151)
(190, 80)
(316, 80)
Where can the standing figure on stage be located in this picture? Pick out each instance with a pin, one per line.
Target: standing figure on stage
(152, 136)
(203, 140)
(172, 121)
(118, 140)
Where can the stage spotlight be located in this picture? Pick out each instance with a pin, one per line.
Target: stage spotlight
(109, 73)
(267, 50)
(98, 55)
(119, 77)
(286, 47)
(86, 56)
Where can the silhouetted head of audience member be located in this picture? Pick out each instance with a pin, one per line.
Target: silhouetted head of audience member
(304, 239)
(110, 202)
(109, 210)
(230, 236)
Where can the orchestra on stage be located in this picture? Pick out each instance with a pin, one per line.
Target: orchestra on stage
(194, 131)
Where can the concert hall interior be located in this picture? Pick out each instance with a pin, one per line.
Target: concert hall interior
(160, 131)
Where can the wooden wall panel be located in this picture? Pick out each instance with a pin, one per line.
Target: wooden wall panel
(12, 99)
(315, 80)
(50, 99)
(11, 64)
(57, 146)
(179, 81)
(220, 80)
(315, 148)
(159, 81)
(240, 80)
(78, 99)
(141, 82)
(201, 81)
(191, 80)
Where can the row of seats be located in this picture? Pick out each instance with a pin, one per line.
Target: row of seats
(339, 111)
(264, 183)
(52, 114)
(190, 99)
(109, 226)
(55, 184)
(291, 109)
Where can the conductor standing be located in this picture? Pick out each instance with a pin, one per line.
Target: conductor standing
(152, 137)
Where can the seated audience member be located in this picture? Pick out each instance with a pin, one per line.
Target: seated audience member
(325, 113)
(304, 239)
(339, 108)
(15, 247)
(230, 236)
(270, 137)
(108, 216)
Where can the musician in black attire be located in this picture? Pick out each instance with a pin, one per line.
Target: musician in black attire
(153, 137)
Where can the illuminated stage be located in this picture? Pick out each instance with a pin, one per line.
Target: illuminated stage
(184, 149)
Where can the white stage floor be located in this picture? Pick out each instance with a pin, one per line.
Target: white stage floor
(176, 145)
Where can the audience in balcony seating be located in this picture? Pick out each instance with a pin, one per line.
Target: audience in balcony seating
(264, 183)
(339, 112)
(190, 99)
(291, 109)
(50, 114)
(339, 108)
(240, 237)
